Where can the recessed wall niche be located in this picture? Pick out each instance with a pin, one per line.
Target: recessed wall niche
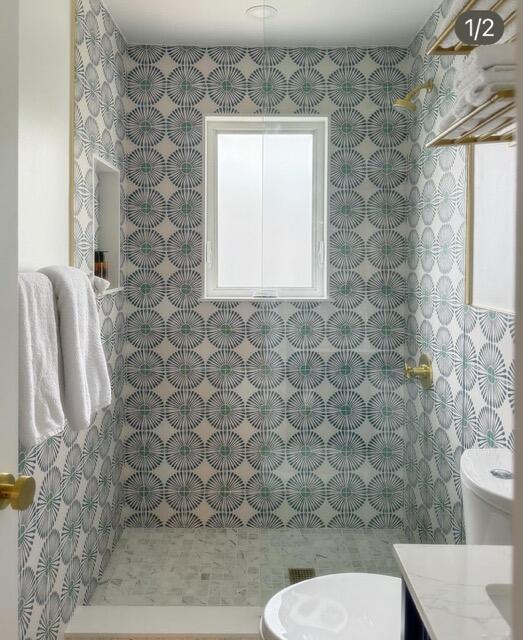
(106, 217)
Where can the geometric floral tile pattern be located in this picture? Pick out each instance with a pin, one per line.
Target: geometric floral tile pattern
(472, 402)
(265, 414)
(67, 536)
(233, 567)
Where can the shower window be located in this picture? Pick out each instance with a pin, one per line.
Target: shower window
(265, 207)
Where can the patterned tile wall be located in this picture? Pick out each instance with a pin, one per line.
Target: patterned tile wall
(66, 538)
(265, 413)
(99, 115)
(472, 402)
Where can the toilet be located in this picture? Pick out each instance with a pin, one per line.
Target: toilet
(363, 606)
(488, 491)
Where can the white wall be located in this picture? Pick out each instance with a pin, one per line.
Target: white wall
(8, 307)
(44, 129)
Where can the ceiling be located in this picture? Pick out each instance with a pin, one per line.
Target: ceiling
(298, 23)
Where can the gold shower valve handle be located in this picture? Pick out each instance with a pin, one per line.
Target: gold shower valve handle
(417, 372)
(423, 372)
(18, 493)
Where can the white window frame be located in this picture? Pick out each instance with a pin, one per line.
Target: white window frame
(318, 126)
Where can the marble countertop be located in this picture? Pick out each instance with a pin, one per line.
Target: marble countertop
(450, 585)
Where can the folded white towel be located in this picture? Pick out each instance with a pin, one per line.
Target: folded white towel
(86, 384)
(477, 96)
(457, 7)
(475, 88)
(486, 65)
(40, 403)
(485, 57)
(477, 77)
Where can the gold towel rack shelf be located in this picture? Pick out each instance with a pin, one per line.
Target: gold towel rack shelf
(459, 48)
(493, 121)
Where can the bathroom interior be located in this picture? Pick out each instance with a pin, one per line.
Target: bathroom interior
(297, 220)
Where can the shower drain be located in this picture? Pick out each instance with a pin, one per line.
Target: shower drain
(298, 575)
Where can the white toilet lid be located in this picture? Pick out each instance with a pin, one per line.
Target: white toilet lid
(348, 606)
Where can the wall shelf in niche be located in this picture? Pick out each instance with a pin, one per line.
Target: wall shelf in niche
(106, 219)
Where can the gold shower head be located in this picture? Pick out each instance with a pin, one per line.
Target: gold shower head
(407, 103)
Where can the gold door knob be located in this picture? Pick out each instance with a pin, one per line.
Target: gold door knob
(18, 493)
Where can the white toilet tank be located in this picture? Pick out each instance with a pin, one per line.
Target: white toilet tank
(488, 489)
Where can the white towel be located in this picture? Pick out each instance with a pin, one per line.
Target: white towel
(86, 384)
(475, 88)
(478, 95)
(478, 72)
(40, 404)
(485, 57)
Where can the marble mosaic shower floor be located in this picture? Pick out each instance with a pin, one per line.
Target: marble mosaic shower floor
(235, 567)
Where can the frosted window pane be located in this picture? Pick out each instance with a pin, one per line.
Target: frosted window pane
(239, 210)
(287, 210)
(265, 211)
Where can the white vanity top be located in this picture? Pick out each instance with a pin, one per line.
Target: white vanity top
(450, 586)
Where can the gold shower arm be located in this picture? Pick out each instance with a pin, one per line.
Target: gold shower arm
(408, 101)
(429, 85)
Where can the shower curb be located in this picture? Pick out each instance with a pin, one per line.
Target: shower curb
(164, 623)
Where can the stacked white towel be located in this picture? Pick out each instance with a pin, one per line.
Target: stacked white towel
(457, 6)
(86, 384)
(487, 70)
(491, 55)
(40, 402)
